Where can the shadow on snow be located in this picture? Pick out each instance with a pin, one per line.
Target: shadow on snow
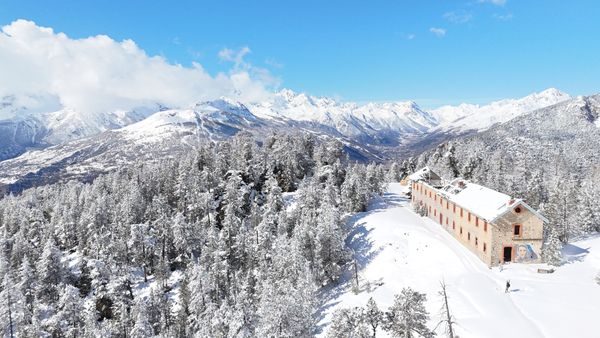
(363, 253)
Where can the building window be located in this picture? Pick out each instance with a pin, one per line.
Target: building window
(453, 225)
(430, 194)
(447, 205)
(461, 230)
(517, 230)
(476, 241)
(484, 247)
(461, 212)
(469, 217)
(476, 221)
(434, 212)
(484, 225)
(518, 210)
(435, 198)
(454, 208)
(446, 220)
(468, 236)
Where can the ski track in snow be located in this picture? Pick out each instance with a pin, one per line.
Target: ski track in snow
(397, 248)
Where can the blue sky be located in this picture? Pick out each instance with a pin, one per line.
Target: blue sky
(434, 52)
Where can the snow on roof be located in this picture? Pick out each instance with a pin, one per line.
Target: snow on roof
(484, 202)
(422, 174)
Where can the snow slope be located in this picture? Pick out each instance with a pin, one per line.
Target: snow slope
(397, 248)
(475, 117)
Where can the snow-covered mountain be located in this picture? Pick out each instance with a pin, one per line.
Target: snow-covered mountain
(465, 117)
(163, 134)
(374, 123)
(530, 155)
(40, 121)
(66, 143)
(29, 128)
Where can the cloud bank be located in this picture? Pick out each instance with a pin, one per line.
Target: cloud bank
(100, 74)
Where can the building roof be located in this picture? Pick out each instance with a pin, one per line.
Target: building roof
(424, 174)
(484, 202)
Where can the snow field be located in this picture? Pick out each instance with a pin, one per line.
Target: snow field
(397, 248)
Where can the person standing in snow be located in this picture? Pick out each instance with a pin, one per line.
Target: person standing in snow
(507, 286)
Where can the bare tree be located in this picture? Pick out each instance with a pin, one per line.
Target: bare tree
(447, 319)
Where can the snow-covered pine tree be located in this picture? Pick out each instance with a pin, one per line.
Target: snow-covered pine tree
(408, 315)
(349, 323)
(373, 317)
(50, 272)
(142, 327)
(70, 315)
(552, 249)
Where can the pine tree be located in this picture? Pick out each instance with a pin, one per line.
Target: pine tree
(408, 315)
(70, 312)
(49, 270)
(373, 316)
(142, 327)
(552, 250)
(348, 323)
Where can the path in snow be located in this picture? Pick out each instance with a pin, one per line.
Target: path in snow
(397, 248)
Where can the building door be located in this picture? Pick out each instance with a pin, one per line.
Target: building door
(507, 253)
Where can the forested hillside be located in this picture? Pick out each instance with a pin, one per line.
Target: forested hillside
(230, 241)
(549, 157)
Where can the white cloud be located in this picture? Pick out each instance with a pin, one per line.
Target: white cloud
(458, 16)
(237, 57)
(439, 32)
(494, 2)
(100, 74)
(503, 17)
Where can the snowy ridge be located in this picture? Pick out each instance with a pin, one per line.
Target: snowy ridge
(40, 121)
(350, 119)
(469, 116)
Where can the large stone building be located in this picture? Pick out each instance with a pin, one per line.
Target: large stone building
(494, 226)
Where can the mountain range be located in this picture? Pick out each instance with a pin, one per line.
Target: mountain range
(48, 146)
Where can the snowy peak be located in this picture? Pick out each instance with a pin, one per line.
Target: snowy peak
(466, 117)
(69, 124)
(213, 119)
(378, 123)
